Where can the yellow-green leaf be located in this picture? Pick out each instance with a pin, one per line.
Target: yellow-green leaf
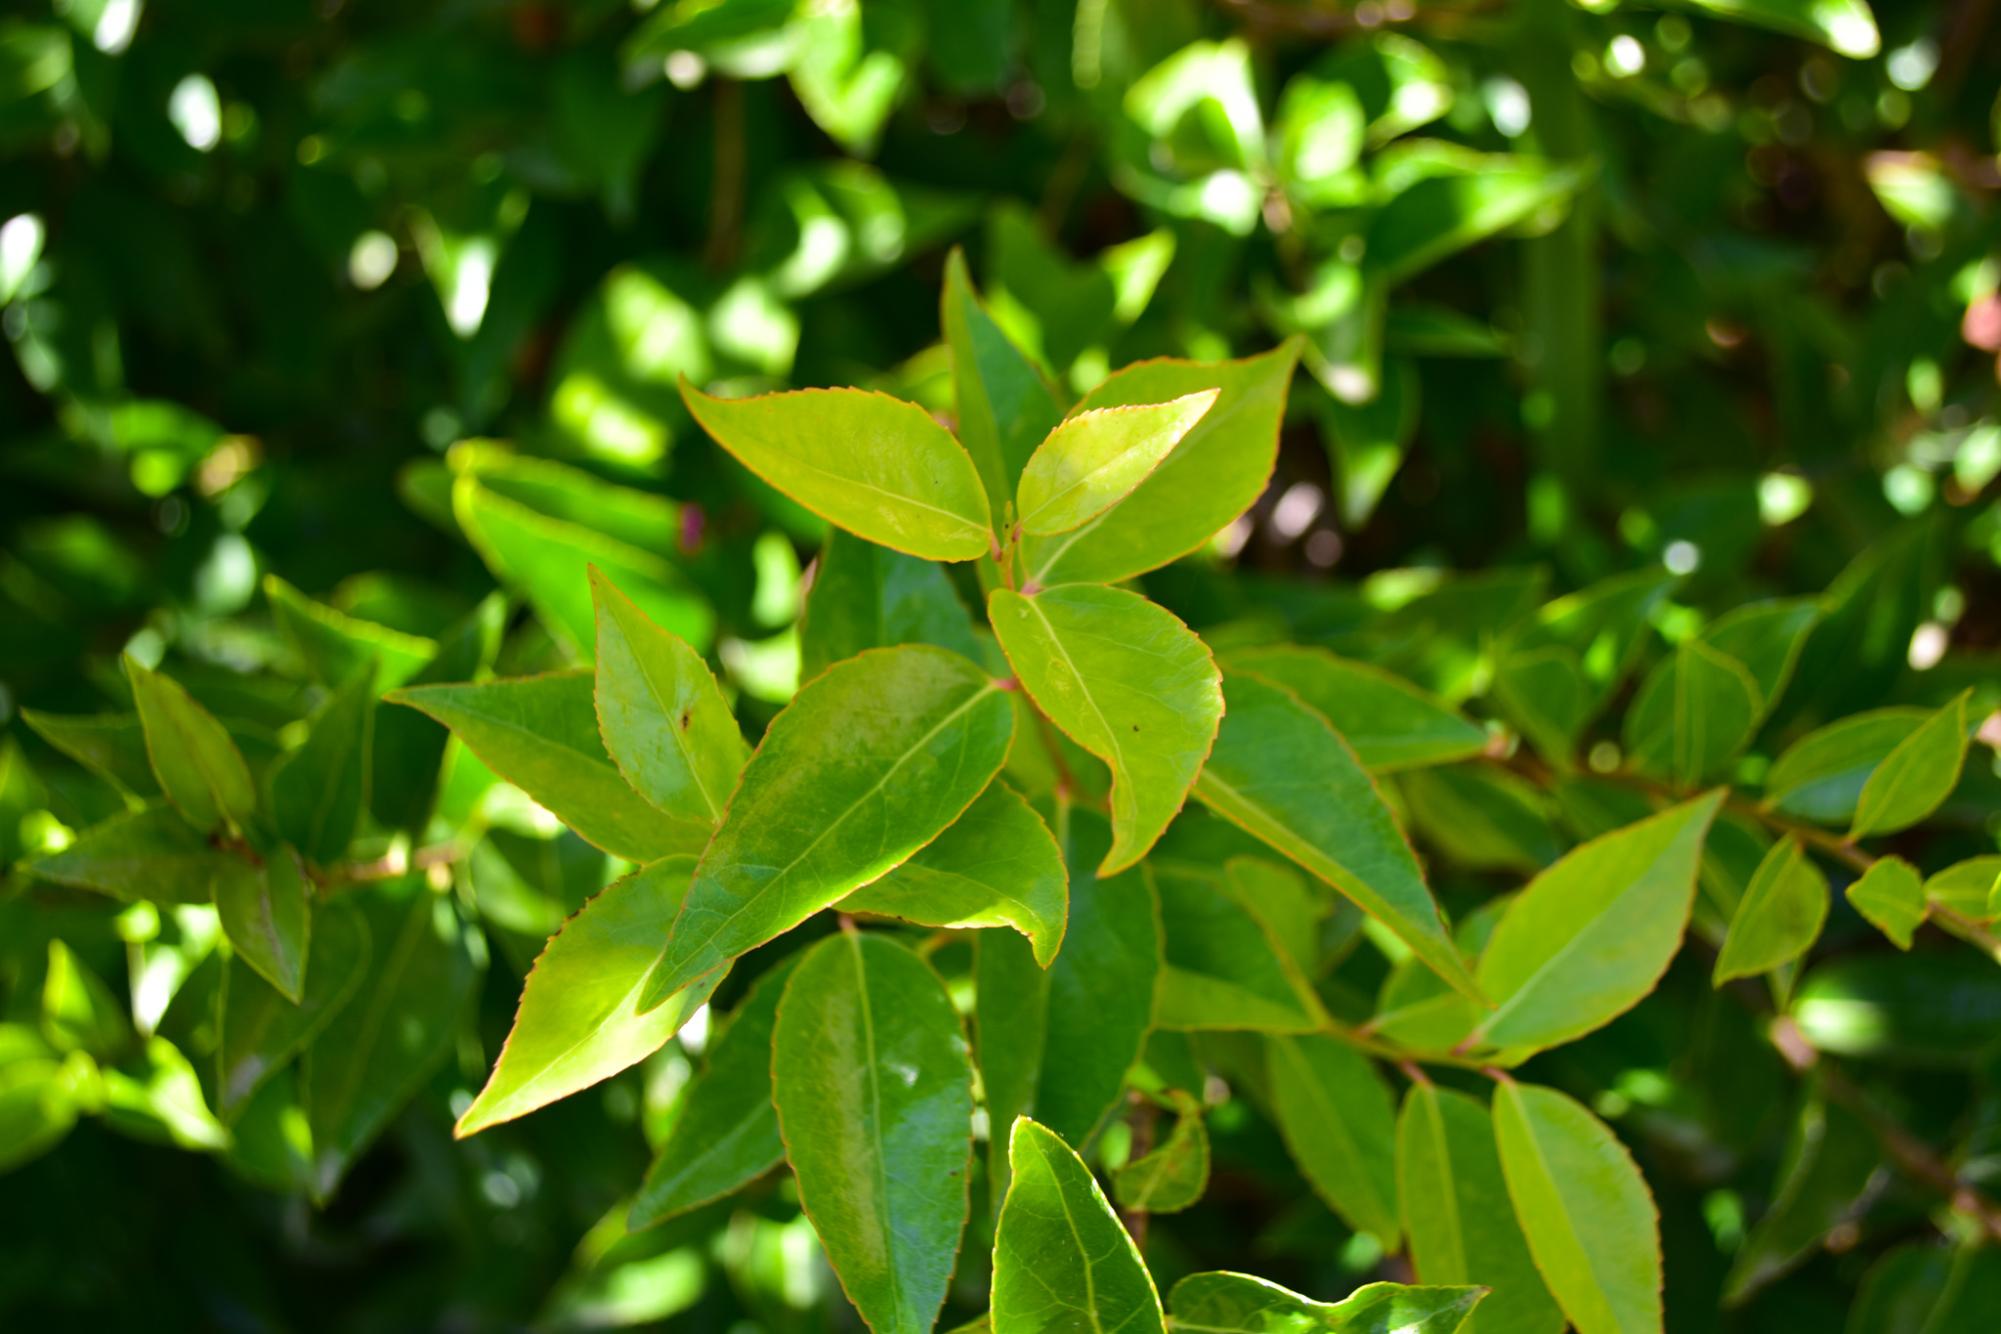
(1096, 458)
(1892, 898)
(1780, 916)
(1916, 776)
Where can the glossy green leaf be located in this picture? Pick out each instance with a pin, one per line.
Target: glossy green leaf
(1005, 407)
(1338, 1120)
(1693, 714)
(997, 865)
(382, 1047)
(1892, 898)
(409, 747)
(336, 647)
(151, 854)
(1213, 475)
(1095, 459)
(1916, 776)
(1780, 917)
(267, 915)
(198, 765)
(1830, 1162)
(1845, 26)
(541, 734)
(1461, 1226)
(1820, 777)
(726, 1135)
(1223, 1303)
(1225, 968)
(262, 1031)
(1127, 681)
(319, 791)
(1279, 771)
(110, 745)
(1590, 937)
(874, 1089)
(875, 465)
(869, 763)
(1390, 723)
(661, 714)
(1058, 1043)
(1586, 1211)
(1062, 1260)
(548, 557)
(581, 1018)
(865, 596)
(1173, 1174)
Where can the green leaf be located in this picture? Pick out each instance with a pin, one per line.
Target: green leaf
(1925, 1288)
(1589, 937)
(156, 1095)
(79, 1013)
(1339, 1122)
(1058, 1043)
(1224, 1303)
(1780, 916)
(1455, 1208)
(199, 767)
(661, 714)
(1279, 771)
(1062, 1259)
(865, 596)
(869, 763)
(1845, 26)
(319, 790)
(1693, 713)
(1225, 967)
(1391, 724)
(380, 1049)
(1946, 1013)
(1482, 817)
(1820, 777)
(1969, 888)
(1214, 474)
(267, 915)
(1765, 638)
(262, 1031)
(548, 558)
(1830, 1162)
(997, 865)
(409, 747)
(726, 1135)
(110, 745)
(1005, 407)
(1096, 458)
(874, 1089)
(1174, 1174)
(1916, 776)
(41, 1092)
(875, 465)
(1127, 681)
(151, 854)
(1892, 898)
(541, 734)
(336, 647)
(1459, 200)
(1587, 1213)
(1554, 671)
(582, 1018)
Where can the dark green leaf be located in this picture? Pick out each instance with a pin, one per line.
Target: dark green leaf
(267, 915)
(198, 765)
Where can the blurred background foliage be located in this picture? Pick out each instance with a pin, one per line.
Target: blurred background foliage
(1585, 289)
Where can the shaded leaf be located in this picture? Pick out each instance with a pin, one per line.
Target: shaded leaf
(865, 596)
(151, 854)
(1005, 407)
(1338, 1120)
(1174, 1174)
(1390, 723)
(198, 765)
(262, 1031)
(267, 915)
(1780, 917)
(318, 791)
